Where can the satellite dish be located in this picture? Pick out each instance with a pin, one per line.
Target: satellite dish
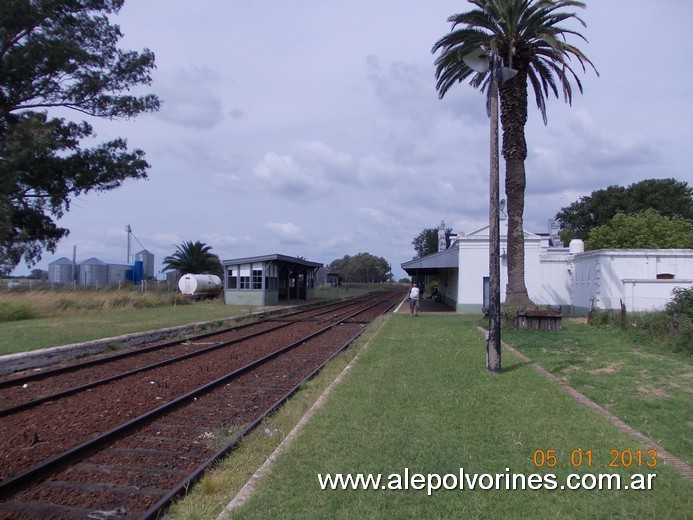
(477, 60)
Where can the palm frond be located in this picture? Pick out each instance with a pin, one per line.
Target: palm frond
(529, 35)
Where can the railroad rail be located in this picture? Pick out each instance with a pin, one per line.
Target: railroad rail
(140, 430)
(33, 388)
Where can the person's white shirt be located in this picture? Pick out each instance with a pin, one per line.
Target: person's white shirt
(414, 293)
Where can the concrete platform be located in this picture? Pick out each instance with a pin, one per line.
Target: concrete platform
(426, 306)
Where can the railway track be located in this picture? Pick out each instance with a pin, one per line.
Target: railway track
(35, 387)
(122, 436)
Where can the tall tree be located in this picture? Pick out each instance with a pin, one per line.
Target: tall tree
(669, 197)
(530, 38)
(195, 258)
(647, 230)
(61, 54)
(426, 242)
(362, 268)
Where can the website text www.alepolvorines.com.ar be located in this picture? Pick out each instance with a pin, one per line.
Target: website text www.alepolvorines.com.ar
(464, 481)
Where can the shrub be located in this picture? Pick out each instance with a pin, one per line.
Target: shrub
(14, 312)
(683, 341)
(680, 312)
(682, 302)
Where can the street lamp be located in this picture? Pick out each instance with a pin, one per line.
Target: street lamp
(483, 60)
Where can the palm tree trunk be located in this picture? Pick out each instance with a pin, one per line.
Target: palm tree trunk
(515, 180)
(513, 119)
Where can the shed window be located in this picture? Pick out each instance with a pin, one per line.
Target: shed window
(257, 278)
(231, 280)
(244, 278)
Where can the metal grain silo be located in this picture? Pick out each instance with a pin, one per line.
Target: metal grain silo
(147, 260)
(93, 272)
(61, 270)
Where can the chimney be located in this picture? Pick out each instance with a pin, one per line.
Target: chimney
(442, 245)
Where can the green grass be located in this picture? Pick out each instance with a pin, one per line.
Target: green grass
(26, 335)
(41, 319)
(420, 399)
(647, 388)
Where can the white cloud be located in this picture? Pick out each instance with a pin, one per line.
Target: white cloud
(188, 98)
(286, 232)
(285, 177)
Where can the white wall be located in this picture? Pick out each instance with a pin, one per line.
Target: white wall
(551, 282)
(474, 257)
(558, 277)
(607, 277)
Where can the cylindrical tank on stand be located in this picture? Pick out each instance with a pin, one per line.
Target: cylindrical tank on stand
(199, 285)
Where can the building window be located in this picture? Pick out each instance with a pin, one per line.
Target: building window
(244, 277)
(257, 278)
(231, 280)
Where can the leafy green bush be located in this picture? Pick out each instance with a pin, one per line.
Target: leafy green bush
(14, 312)
(682, 302)
(680, 311)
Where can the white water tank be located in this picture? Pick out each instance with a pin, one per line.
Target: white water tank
(576, 246)
(199, 284)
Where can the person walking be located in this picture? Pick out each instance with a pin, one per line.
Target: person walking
(414, 295)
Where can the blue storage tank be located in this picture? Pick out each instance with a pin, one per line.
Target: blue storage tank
(137, 271)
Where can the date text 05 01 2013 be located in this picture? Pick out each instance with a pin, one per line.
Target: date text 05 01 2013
(586, 458)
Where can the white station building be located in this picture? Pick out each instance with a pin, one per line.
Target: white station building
(642, 279)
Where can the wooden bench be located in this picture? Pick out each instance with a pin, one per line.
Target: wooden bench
(539, 319)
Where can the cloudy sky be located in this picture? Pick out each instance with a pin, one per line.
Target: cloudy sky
(313, 128)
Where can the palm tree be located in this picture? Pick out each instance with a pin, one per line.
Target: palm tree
(194, 258)
(529, 38)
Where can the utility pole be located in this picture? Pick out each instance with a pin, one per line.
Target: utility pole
(129, 230)
(485, 60)
(493, 345)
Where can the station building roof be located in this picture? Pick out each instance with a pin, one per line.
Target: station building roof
(273, 257)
